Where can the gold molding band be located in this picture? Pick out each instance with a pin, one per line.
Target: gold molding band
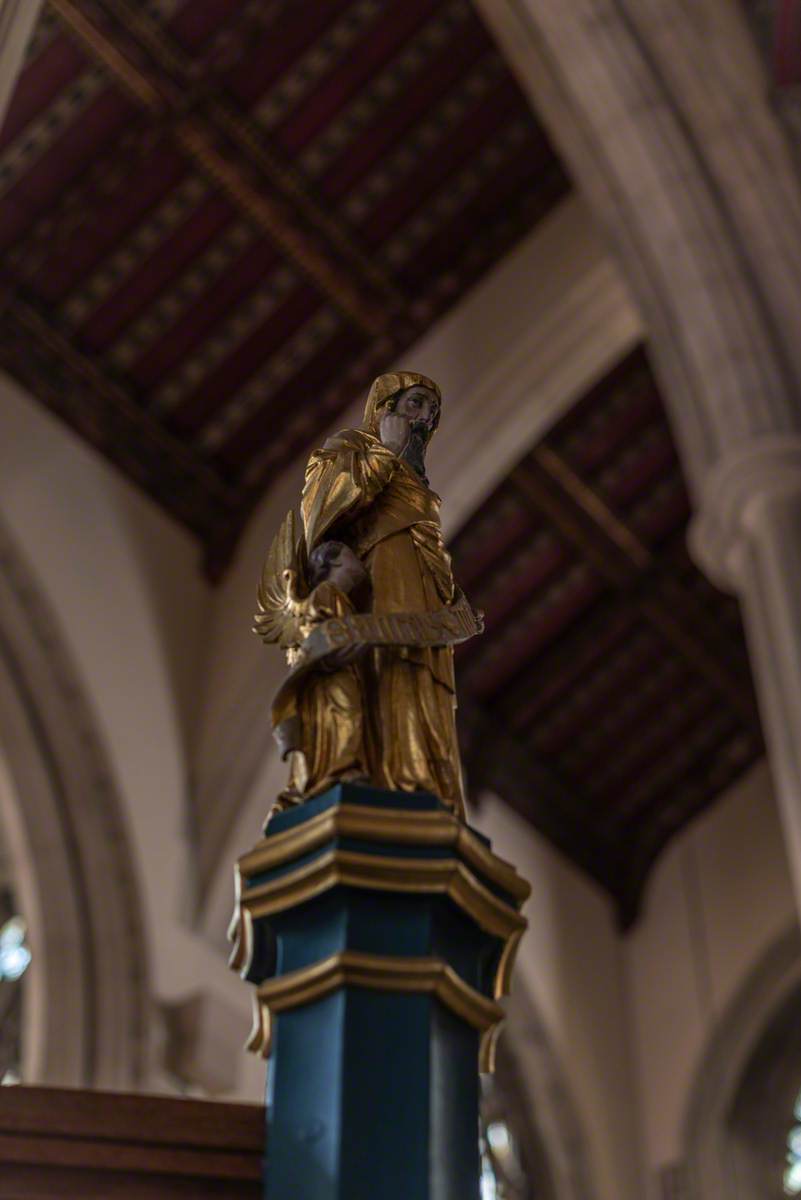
(381, 825)
(348, 868)
(350, 968)
(240, 930)
(451, 876)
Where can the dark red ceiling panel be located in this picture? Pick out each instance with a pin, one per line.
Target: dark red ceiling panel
(69, 241)
(299, 27)
(619, 670)
(382, 44)
(246, 270)
(39, 85)
(155, 271)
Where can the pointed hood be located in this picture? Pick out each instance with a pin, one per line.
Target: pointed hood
(387, 386)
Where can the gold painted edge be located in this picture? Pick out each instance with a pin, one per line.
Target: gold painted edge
(378, 973)
(352, 869)
(487, 1049)
(240, 932)
(431, 828)
(260, 1038)
(381, 973)
(503, 975)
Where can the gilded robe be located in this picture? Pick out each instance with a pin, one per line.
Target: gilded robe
(358, 491)
(330, 711)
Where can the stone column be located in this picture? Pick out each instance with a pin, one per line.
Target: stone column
(662, 111)
(747, 537)
(17, 19)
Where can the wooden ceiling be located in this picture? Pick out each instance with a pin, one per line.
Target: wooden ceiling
(612, 684)
(777, 27)
(218, 221)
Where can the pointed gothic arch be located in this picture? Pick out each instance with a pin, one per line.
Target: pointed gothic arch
(86, 993)
(741, 1105)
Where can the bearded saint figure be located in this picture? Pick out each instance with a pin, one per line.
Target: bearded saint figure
(380, 706)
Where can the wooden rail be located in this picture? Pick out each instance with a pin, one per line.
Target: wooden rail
(57, 1142)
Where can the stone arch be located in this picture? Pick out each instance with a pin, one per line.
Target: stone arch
(558, 1156)
(662, 111)
(747, 1081)
(86, 992)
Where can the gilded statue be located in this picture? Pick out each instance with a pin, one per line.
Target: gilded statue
(362, 599)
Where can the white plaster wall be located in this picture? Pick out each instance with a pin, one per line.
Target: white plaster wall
(720, 896)
(571, 963)
(124, 583)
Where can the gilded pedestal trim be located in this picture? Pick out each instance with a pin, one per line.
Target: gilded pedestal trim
(353, 969)
(351, 869)
(380, 825)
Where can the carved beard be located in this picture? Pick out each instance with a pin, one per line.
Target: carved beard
(415, 452)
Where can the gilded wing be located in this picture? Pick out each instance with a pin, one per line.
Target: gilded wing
(279, 600)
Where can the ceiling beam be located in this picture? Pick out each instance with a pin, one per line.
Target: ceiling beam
(496, 760)
(221, 145)
(573, 653)
(550, 487)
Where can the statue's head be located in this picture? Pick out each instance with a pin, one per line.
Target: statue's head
(414, 398)
(399, 391)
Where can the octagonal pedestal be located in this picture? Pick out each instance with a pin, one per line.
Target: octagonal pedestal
(379, 933)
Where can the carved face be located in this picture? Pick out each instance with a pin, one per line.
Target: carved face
(419, 405)
(386, 390)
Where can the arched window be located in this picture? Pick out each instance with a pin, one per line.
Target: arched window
(792, 1171)
(68, 865)
(15, 958)
(503, 1175)
(744, 1120)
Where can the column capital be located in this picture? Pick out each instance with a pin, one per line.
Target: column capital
(734, 494)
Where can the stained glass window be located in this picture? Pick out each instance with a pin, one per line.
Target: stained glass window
(502, 1174)
(15, 958)
(497, 1162)
(792, 1171)
(14, 954)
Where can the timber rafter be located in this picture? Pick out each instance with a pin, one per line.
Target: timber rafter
(643, 596)
(548, 485)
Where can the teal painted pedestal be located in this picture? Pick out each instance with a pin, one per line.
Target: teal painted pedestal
(379, 933)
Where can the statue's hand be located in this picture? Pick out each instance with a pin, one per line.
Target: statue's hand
(395, 431)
